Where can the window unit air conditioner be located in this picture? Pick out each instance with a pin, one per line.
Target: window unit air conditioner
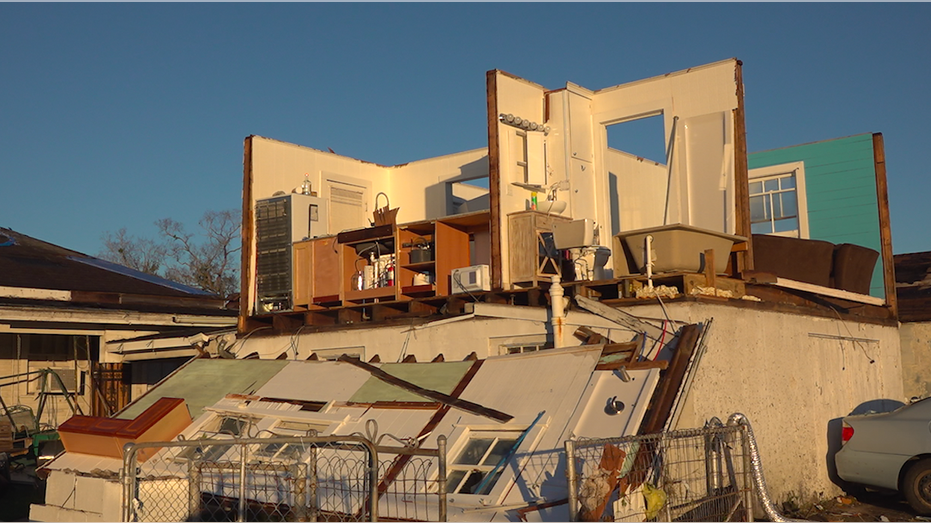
(470, 279)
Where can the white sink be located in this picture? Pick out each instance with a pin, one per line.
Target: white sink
(552, 206)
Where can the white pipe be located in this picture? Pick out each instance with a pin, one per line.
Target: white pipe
(559, 311)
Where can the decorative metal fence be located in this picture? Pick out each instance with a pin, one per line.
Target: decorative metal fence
(687, 475)
(333, 478)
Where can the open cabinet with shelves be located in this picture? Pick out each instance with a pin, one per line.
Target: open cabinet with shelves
(368, 264)
(417, 264)
(388, 263)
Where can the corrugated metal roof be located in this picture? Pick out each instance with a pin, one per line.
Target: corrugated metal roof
(314, 381)
(441, 377)
(203, 382)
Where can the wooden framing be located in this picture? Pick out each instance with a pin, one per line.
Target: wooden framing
(741, 175)
(885, 224)
(494, 177)
(248, 226)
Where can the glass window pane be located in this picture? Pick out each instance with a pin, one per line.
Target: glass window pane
(468, 486)
(474, 451)
(757, 211)
(761, 228)
(491, 483)
(270, 449)
(771, 185)
(215, 452)
(786, 225)
(777, 205)
(788, 182)
(789, 206)
(756, 187)
(231, 426)
(453, 480)
(498, 451)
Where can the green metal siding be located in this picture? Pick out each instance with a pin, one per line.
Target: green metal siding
(840, 188)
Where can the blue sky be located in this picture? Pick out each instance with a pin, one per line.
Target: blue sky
(116, 115)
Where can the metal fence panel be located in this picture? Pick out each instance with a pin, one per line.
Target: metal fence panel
(687, 475)
(330, 478)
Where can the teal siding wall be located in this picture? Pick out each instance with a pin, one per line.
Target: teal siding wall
(840, 184)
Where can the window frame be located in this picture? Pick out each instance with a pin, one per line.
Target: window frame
(496, 436)
(460, 437)
(797, 169)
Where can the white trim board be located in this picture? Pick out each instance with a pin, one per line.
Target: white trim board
(827, 291)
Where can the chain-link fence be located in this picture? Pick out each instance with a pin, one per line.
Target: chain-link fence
(687, 475)
(331, 478)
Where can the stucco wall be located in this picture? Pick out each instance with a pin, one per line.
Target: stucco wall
(793, 387)
(916, 358)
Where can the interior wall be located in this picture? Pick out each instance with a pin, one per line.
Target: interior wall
(697, 104)
(640, 184)
(524, 99)
(420, 190)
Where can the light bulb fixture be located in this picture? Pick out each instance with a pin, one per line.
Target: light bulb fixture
(522, 123)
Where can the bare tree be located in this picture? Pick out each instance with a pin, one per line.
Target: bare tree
(208, 261)
(141, 254)
(212, 264)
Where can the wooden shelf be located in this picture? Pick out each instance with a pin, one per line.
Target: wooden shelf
(371, 294)
(420, 267)
(419, 291)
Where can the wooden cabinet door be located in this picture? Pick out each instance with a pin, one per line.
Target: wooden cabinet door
(303, 273)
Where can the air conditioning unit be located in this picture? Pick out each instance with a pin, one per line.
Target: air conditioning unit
(470, 279)
(281, 221)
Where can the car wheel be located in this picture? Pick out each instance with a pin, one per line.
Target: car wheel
(916, 486)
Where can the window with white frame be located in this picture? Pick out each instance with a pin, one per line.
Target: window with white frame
(777, 200)
(288, 451)
(334, 354)
(483, 454)
(519, 344)
(212, 434)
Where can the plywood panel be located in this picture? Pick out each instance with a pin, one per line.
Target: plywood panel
(452, 252)
(326, 273)
(303, 273)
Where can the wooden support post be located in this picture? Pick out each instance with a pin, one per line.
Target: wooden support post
(709, 268)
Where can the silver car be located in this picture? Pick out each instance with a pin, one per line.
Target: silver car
(891, 450)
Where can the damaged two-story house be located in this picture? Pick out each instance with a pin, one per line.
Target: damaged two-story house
(539, 255)
(455, 269)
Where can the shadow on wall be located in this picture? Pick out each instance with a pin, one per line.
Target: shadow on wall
(439, 199)
(834, 433)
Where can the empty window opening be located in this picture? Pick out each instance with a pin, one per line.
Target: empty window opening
(643, 137)
(469, 196)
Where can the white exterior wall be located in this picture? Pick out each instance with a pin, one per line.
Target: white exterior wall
(916, 358)
(454, 338)
(790, 385)
(761, 363)
(72, 497)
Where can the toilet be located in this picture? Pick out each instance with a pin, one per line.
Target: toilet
(578, 238)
